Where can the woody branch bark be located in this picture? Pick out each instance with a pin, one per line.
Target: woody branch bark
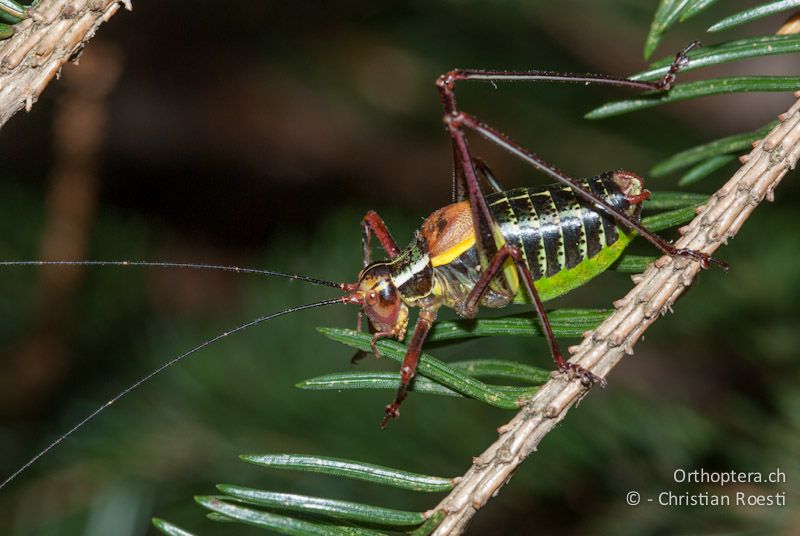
(54, 34)
(652, 296)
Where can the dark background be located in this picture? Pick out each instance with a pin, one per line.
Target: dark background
(258, 134)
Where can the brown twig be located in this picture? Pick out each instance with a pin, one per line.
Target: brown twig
(655, 292)
(54, 34)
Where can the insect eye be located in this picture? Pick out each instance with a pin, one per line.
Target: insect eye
(372, 297)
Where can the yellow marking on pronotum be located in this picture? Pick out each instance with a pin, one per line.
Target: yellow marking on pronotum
(450, 254)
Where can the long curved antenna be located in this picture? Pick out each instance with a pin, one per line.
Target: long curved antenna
(192, 266)
(157, 371)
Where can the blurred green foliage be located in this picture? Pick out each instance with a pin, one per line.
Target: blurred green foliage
(259, 136)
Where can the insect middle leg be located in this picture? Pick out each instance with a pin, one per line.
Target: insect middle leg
(493, 270)
(408, 369)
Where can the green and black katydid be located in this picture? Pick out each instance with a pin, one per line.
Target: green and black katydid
(522, 245)
(484, 250)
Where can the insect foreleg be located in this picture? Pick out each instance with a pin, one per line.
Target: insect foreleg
(408, 370)
(372, 224)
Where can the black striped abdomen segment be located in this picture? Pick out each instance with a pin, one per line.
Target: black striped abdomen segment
(520, 225)
(555, 229)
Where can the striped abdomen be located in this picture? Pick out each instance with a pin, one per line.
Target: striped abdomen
(565, 240)
(557, 230)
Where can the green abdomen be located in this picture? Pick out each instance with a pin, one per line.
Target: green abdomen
(564, 239)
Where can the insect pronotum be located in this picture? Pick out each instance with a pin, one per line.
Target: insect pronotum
(521, 245)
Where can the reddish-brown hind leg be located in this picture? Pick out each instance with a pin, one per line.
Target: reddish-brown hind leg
(458, 121)
(408, 370)
(495, 267)
(447, 82)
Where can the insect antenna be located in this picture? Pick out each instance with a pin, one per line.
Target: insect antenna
(162, 368)
(186, 265)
